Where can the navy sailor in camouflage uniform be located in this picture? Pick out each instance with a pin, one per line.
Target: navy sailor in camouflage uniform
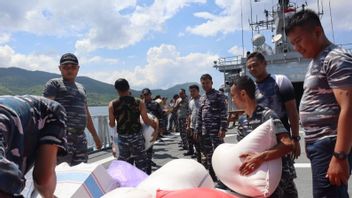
(72, 96)
(182, 110)
(155, 109)
(326, 106)
(212, 120)
(126, 111)
(32, 133)
(243, 96)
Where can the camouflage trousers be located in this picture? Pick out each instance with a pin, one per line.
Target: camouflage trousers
(285, 189)
(150, 153)
(197, 144)
(182, 128)
(132, 149)
(209, 142)
(77, 151)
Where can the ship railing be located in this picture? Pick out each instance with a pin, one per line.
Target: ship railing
(104, 131)
(230, 63)
(232, 60)
(284, 58)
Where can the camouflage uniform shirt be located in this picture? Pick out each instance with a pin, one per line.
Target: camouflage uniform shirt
(319, 110)
(73, 97)
(261, 114)
(183, 109)
(212, 115)
(26, 122)
(126, 112)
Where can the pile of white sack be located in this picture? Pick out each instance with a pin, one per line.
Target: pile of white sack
(187, 178)
(184, 178)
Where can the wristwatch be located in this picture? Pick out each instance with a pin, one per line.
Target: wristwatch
(296, 138)
(340, 155)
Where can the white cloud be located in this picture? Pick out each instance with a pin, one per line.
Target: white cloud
(227, 21)
(123, 4)
(237, 51)
(87, 60)
(9, 58)
(104, 24)
(125, 31)
(4, 38)
(45, 62)
(165, 67)
(116, 24)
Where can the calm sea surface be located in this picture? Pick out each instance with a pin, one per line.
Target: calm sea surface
(99, 110)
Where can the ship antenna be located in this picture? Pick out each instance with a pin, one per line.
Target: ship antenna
(250, 3)
(242, 28)
(320, 11)
(332, 24)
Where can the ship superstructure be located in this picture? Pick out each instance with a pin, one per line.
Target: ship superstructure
(281, 59)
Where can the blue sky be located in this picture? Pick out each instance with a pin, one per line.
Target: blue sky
(151, 43)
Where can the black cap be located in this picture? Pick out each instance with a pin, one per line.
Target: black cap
(68, 58)
(146, 91)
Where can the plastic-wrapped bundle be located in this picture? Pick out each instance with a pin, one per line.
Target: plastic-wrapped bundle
(126, 174)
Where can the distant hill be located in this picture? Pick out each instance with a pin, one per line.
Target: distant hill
(16, 81)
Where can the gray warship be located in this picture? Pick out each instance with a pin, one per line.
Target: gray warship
(281, 58)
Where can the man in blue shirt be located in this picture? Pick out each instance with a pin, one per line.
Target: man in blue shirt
(276, 92)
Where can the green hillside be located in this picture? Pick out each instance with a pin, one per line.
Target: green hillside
(16, 81)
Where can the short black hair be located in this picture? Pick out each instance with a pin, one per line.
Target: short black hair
(206, 76)
(122, 85)
(257, 55)
(146, 91)
(247, 84)
(183, 90)
(305, 18)
(194, 86)
(175, 96)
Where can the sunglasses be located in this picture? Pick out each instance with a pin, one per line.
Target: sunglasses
(69, 67)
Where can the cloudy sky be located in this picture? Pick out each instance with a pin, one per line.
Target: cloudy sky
(151, 43)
